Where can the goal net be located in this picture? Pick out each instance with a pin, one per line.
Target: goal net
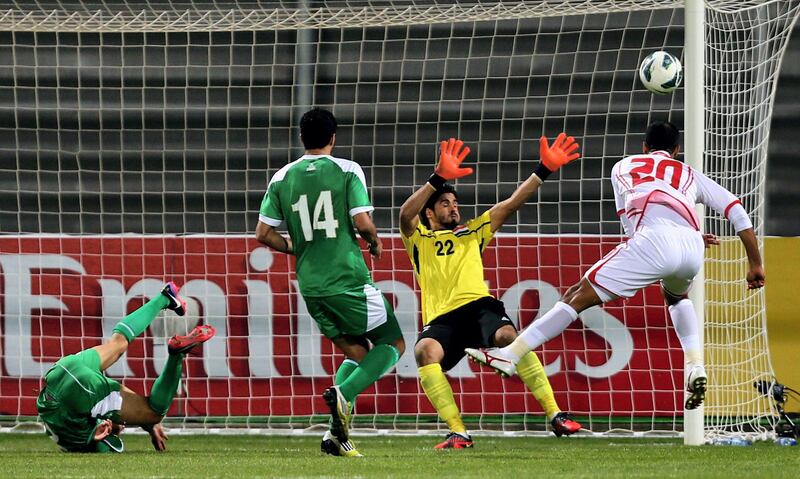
(139, 138)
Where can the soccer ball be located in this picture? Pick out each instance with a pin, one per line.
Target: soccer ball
(661, 73)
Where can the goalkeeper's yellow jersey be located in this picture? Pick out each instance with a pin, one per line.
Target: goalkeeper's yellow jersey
(448, 265)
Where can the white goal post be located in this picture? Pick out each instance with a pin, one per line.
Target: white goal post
(140, 137)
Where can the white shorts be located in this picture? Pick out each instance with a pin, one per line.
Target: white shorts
(670, 254)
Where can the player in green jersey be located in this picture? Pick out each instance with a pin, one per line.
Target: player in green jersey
(322, 199)
(84, 411)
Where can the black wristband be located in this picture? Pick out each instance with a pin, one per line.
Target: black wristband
(542, 172)
(436, 181)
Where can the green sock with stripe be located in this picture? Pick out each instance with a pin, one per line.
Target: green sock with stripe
(345, 370)
(135, 323)
(375, 364)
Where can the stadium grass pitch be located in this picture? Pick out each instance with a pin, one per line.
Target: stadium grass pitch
(29, 455)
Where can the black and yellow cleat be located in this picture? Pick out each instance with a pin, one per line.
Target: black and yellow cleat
(331, 446)
(340, 413)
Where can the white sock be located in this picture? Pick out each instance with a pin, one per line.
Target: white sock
(684, 320)
(542, 330)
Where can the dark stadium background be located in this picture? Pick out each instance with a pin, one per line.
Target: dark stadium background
(158, 138)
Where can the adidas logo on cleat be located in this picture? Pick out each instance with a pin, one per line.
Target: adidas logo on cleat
(331, 446)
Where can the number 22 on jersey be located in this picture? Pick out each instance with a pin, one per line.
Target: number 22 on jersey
(323, 215)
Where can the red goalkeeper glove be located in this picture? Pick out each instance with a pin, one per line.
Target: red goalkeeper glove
(551, 158)
(450, 157)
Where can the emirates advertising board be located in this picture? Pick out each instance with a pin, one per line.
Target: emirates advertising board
(61, 294)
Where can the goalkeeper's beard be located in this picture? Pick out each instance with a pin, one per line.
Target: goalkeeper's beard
(448, 222)
(451, 225)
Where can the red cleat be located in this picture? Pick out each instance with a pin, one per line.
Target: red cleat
(455, 440)
(176, 303)
(563, 425)
(184, 344)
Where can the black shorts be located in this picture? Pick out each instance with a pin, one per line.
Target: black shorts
(470, 326)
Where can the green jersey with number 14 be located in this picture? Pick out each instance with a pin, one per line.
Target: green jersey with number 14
(317, 196)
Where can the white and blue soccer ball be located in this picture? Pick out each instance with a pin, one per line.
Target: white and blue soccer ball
(661, 72)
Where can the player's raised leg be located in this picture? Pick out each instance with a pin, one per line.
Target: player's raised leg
(81, 407)
(505, 360)
(142, 411)
(137, 322)
(554, 322)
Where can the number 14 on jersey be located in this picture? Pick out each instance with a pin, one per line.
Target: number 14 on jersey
(323, 216)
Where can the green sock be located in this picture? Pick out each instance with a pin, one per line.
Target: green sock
(375, 364)
(166, 385)
(135, 323)
(345, 370)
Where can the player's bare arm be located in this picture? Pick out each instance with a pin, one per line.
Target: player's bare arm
(158, 437)
(713, 195)
(409, 211)
(755, 273)
(501, 211)
(551, 158)
(452, 153)
(266, 234)
(366, 229)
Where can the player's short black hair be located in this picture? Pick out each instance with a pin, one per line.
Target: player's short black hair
(431, 203)
(662, 135)
(317, 127)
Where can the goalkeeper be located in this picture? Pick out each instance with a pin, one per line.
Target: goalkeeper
(457, 309)
(84, 411)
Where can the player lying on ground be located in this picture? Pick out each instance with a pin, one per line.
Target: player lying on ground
(323, 199)
(457, 309)
(655, 196)
(84, 411)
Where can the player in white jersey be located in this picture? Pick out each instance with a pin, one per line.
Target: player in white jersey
(655, 196)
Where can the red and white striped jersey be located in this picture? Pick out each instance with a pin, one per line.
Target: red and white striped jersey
(655, 188)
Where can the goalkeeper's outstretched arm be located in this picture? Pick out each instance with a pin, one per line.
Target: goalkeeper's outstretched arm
(409, 211)
(451, 153)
